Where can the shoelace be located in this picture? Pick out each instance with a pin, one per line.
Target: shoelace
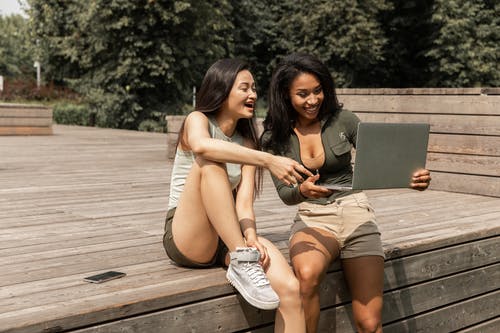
(256, 274)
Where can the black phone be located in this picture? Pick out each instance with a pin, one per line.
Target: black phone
(103, 277)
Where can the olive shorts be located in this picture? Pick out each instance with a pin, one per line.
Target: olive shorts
(176, 256)
(350, 219)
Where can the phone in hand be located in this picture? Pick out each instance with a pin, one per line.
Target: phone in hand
(103, 277)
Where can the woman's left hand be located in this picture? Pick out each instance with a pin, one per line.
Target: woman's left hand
(264, 257)
(421, 179)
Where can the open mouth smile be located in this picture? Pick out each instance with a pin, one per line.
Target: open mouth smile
(250, 105)
(311, 109)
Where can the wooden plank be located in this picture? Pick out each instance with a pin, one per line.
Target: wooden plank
(25, 113)
(402, 303)
(464, 144)
(448, 319)
(438, 263)
(423, 104)
(82, 311)
(4, 105)
(450, 124)
(23, 122)
(174, 123)
(463, 183)
(490, 326)
(470, 164)
(25, 130)
(416, 91)
(140, 240)
(451, 318)
(413, 270)
(227, 314)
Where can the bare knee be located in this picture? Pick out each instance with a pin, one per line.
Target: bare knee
(309, 278)
(289, 293)
(369, 324)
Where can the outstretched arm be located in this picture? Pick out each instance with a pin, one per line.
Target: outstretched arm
(197, 138)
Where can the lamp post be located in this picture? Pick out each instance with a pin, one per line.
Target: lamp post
(38, 79)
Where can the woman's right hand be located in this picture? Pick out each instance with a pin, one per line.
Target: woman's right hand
(310, 190)
(287, 170)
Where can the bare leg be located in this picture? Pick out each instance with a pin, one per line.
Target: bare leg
(206, 212)
(366, 292)
(290, 314)
(312, 250)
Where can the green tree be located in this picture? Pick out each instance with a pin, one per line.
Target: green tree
(408, 28)
(465, 44)
(133, 60)
(346, 35)
(51, 23)
(15, 50)
(255, 37)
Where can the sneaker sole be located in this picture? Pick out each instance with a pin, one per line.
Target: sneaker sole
(253, 301)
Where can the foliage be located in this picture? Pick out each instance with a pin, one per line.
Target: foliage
(133, 60)
(408, 29)
(465, 44)
(149, 125)
(346, 35)
(15, 50)
(73, 114)
(256, 43)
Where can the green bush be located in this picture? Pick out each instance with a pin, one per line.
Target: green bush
(73, 114)
(150, 125)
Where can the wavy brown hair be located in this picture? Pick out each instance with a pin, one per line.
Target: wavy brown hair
(214, 90)
(281, 115)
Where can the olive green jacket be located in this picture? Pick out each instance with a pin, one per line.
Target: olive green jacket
(338, 135)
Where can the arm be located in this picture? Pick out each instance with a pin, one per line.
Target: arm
(245, 211)
(351, 121)
(244, 202)
(197, 139)
(290, 195)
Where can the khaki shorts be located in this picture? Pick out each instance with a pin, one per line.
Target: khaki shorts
(350, 219)
(175, 254)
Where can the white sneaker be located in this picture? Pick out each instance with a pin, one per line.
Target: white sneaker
(247, 276)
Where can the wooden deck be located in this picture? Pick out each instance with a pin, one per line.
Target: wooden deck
(87, 200)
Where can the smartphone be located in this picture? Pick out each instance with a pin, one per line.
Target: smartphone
(103, 277)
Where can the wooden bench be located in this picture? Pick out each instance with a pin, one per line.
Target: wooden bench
(174, 124)
(434, 276)
(98, 203)
(25, 119)
(464, 144)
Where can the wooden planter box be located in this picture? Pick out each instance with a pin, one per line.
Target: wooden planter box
(22, 119)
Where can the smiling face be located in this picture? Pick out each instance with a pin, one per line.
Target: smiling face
(306, 96)
(242, 98)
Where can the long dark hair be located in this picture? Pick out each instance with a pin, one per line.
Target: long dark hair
(281, 116)
(214, 90)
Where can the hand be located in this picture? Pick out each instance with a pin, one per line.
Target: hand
(264, 257)
(421, 179)
(287, 170)
(310, 190)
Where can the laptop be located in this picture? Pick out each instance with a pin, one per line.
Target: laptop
(387, 154)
